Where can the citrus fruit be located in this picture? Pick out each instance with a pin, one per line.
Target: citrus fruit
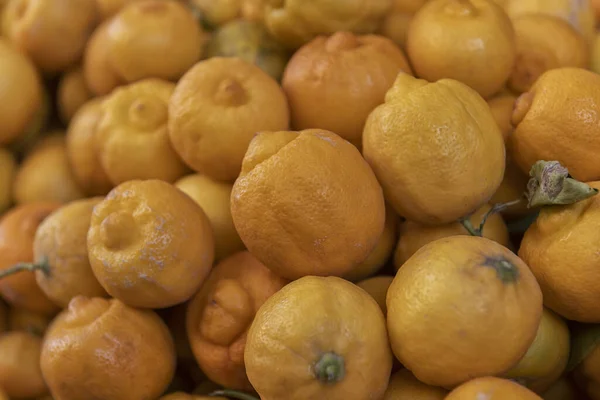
(8, 169)
(52, 33)
(395, 27)
(216, 109)
(301, 198)
(46, 175)
(253, 10)
(98, 340)
(334, 82)
(20, 375)
(132, 138)
(563, 103)
(404, 386)
(100, 76)
(502, 106)
(250, 41)
(214, 199)
(466, 302)
(36, 127)
(108, 8)
(216, 13)
(143, 30)
(472, 41)
(396, 22)
(545, 42)
(435, 148)
(72, 93)
(381, 253)
(17, 232)
(413, 236)
(60, 246)
(327, 338)
(580, 13)
(82, 152)
(124, 49)
(21, 84)
(547, 357)
(377, 287)
(491, 388)
(149, 244)
(296, 22)
(220, 314)
(558, 247)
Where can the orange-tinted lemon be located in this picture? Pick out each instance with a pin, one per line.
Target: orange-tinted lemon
(149, 244)
(216, 109)
(307, 203)
(334, 82)
(132, 139)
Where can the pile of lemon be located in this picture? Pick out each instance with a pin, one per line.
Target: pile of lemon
(299, 200)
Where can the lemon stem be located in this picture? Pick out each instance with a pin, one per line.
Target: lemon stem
(496, 208)
(233, 394)
(330, 368)
(31, 267)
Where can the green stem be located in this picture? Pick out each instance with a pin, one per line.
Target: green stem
(31, 267)
(233, 394)
(466, 222)
(496, 208)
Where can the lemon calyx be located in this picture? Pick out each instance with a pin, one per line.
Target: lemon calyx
(42, 265)
(330, 368)
(551, 184)
(234, 394)
(506, 271)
